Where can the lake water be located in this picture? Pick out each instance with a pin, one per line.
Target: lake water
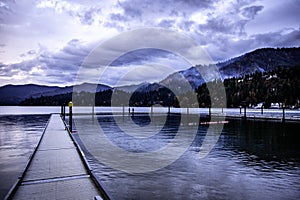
(251, 159)
(19, 135)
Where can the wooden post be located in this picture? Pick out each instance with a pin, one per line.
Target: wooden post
(209, 111)
(283, 113)
(151, 110)
(240, 109)
(187, 111)
(245, 115)
(64, 112)
(262, 110)
(70, 116)
(93, 112)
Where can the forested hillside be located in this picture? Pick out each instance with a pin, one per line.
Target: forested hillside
(277, 86)
(281, 85)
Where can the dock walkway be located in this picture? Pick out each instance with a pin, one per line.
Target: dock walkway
(56, 170)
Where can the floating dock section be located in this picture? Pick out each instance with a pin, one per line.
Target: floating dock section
(57, 169)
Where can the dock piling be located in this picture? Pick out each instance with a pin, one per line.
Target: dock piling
(283, 113)
(70, 116)
(93, 112)
(63, 112)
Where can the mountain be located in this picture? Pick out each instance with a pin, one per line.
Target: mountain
(14, 94)
(266, 59)
(190, 78)
(148, 87)
(131, 88)
(262, 60)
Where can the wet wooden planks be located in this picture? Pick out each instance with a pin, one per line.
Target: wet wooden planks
(56, 171)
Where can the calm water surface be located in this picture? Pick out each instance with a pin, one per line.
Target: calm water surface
(19, 134)
(251, 160)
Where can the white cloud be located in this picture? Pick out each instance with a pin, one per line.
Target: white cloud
(275, 16)
(41, 33)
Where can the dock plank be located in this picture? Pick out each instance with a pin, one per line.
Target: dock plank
(56, 170)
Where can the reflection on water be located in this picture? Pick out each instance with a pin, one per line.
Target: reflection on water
(155, 136)
(19, 134)
(252, 160)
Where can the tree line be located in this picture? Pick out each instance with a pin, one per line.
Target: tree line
(281, 85)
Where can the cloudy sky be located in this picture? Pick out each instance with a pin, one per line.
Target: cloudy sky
(46, 41)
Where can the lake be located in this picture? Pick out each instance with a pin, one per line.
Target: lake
(19, 135)
(251, 159)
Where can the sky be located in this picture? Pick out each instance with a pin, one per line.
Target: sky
(46, 41)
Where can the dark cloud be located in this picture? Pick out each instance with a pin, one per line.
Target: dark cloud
(131, 9)
(15, 12)
(118, 17)
(196, 3)
(225, 28)
(88, 16)
(5, 10)
(59, 67)
(223, 47)
(28, 53)
(75, 48)
(278, 39)
(146, 10)
(4, 70)
(231, 22)
(186, 25)
(251, 11)
(166, 23)
(15, 69)
(220, 25)
(114, 25)
(31, 52)
(139, 56)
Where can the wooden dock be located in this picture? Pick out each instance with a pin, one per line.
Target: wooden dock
(57, 170)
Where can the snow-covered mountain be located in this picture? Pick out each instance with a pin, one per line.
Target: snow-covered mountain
(266, 59)
(262, 60)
